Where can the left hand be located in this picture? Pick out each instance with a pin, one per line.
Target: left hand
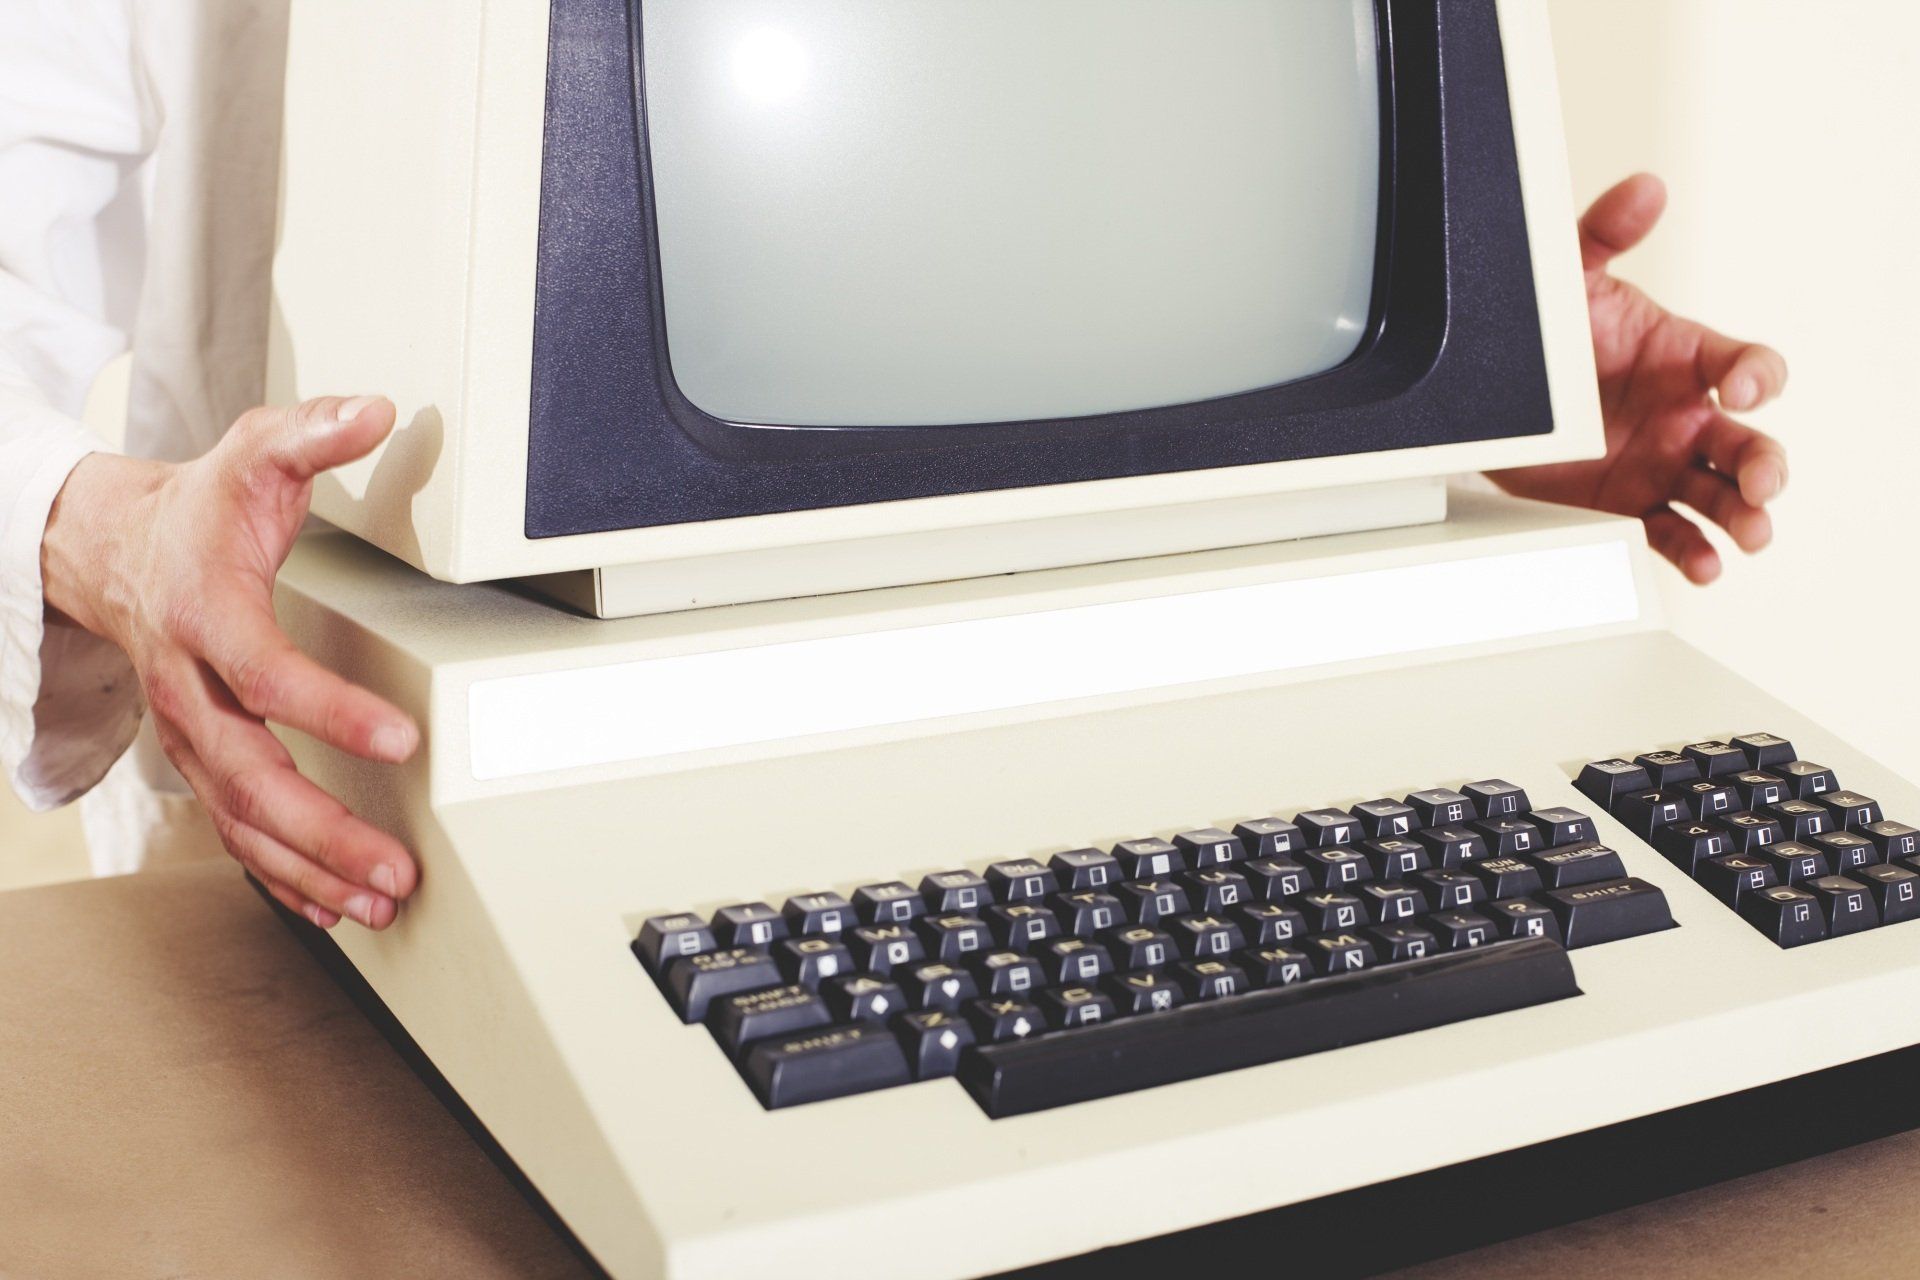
(1665, 386)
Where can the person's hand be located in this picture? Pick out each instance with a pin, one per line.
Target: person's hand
(1665, 384)
(175, 564)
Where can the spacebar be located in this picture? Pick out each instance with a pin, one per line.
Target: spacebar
(1196, 1040)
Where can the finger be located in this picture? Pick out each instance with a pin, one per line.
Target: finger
(1745, 375)
(183, 757)
(1718, 499)
(275, 681)
(1754, 460)
(312, 437)
(1680, 541)
(1620, 219)
(274, 862)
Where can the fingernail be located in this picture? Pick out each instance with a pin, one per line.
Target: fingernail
(393, 742)
(354, 408)
(383, 879)
(360, 907)
(1740, 392)
(317, 916)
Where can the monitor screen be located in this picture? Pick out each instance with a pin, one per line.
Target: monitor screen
(1158, 202)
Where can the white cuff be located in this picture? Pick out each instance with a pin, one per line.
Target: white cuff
(69, 701)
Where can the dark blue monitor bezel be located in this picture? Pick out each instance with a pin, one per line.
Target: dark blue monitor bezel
(1453, 351)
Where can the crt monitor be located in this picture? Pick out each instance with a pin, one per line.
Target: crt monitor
(658, 279)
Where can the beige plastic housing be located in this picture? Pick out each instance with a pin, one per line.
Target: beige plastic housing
(406, 263)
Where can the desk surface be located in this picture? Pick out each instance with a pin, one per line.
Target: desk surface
(184, 1093)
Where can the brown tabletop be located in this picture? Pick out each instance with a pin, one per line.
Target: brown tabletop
(184, 1093)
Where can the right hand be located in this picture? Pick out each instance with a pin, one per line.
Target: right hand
(175, 563)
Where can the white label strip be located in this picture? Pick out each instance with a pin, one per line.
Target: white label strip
(644, 710)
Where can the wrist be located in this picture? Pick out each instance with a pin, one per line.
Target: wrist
(84, 551)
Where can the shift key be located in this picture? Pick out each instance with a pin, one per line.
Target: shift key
(829, 1063)
(1607, 911)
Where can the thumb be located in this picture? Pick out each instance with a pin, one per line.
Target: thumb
(1620, 219)
(318, 435)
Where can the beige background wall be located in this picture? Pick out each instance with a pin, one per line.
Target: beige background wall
(1787, 132)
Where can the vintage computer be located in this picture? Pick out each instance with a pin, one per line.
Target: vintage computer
(963, 725)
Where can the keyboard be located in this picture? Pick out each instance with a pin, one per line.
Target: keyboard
(1778, 839)
(1098, 972)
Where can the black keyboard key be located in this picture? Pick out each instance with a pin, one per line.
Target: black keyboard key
(819, 913)
(1007, 975)
(1393, 943)
(1845, 903)
(666, 938)
(1461, 929)
(1449, 890)
(1001, 1021)
(811, 961)
(1217, 889)
(1787, 914)
(1211, 979)
(1323, 827)
(1731, 875)
(1793, 862)
(937, 986)
(1497, 798)
(1577, 864)
(1395, 858)
(749, 924)
(1269, 837)
(1689, 844)
(1441, 807)
(1151, 901)
(1068, 961)
(1764, 749)
(1021, 926)
(953, 938)
(1331, 953)
(1139, 946)
(1757, 790)
(1507, 877)
(861, 997)
(1645, 812)
(882, 948)
(1388, 903)
(1509, 836)
(694, 982)
(1149, 991)
(1806, 780)
(1336, 866)
(1707, 798)
(829, 1063)
(1892, 839)
(1269, 924)
(1522, 918)
(1751, 832)
(1021, 880)
(1076, 1006)
(1847, 851)
(1384, 819)
(739, 1019)
(1278, 965)
(933, 1041)
(1801, 819)
(1715, 758)
(1089, 913)
(1851, 810)
(1561, 826)
(1895, 890)
(1327, 911)
(1272, 879)
(1269, 1025)
(1206, 937)
(1668, 769)
(1150, 858)
(955, 892)
(1084, 870)
(1210, 847)
(1607, 782)
(1452, 845)
(1591, 914)
(894, 902)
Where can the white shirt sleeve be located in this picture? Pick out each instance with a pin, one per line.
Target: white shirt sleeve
(76, 126)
